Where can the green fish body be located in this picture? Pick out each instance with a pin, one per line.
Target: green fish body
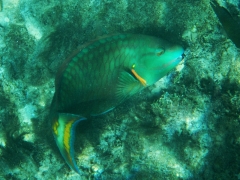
(101, 75)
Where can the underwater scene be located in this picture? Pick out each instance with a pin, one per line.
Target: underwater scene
(120, 90)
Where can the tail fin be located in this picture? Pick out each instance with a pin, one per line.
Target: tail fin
(63, 128)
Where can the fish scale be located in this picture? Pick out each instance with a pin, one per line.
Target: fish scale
(102, 74)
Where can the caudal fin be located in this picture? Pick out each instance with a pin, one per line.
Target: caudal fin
(63, 128)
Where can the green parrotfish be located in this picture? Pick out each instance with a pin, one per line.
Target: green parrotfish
(100, 75)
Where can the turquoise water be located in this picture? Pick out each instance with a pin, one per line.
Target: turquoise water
(186, 126)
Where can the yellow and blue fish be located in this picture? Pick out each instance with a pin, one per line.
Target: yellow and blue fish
(102, 74)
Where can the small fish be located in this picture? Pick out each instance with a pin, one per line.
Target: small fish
(230, 24)
(102, 74)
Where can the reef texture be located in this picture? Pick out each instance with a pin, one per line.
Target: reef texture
(186, 126)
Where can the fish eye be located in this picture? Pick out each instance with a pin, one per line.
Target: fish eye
(159, 52)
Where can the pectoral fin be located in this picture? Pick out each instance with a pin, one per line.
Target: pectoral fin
(127, 85)
(63, 129)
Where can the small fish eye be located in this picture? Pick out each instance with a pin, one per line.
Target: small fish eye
(160, 52)
(133, 66)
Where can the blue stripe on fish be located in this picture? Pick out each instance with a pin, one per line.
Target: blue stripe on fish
(64, 133)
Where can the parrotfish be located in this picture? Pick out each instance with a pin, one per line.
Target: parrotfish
(230, 23)
(100, 75)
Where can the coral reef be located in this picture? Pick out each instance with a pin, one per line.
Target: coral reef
(186, 126)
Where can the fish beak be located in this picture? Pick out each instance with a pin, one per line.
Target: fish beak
(182, 56)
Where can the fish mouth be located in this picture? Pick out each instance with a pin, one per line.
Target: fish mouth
(183, 56)
(173, 62)
(180, 58)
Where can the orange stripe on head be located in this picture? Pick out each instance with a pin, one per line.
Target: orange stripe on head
(142, 81)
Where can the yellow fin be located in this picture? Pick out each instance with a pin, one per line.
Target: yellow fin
(63, 129)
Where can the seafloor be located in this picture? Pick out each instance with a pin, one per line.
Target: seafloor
(186, 126)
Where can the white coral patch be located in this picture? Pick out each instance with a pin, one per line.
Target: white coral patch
(33, 29)
(194, 123)
(2, 142)
(29, 137)
(27, 113)
(163, 158)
